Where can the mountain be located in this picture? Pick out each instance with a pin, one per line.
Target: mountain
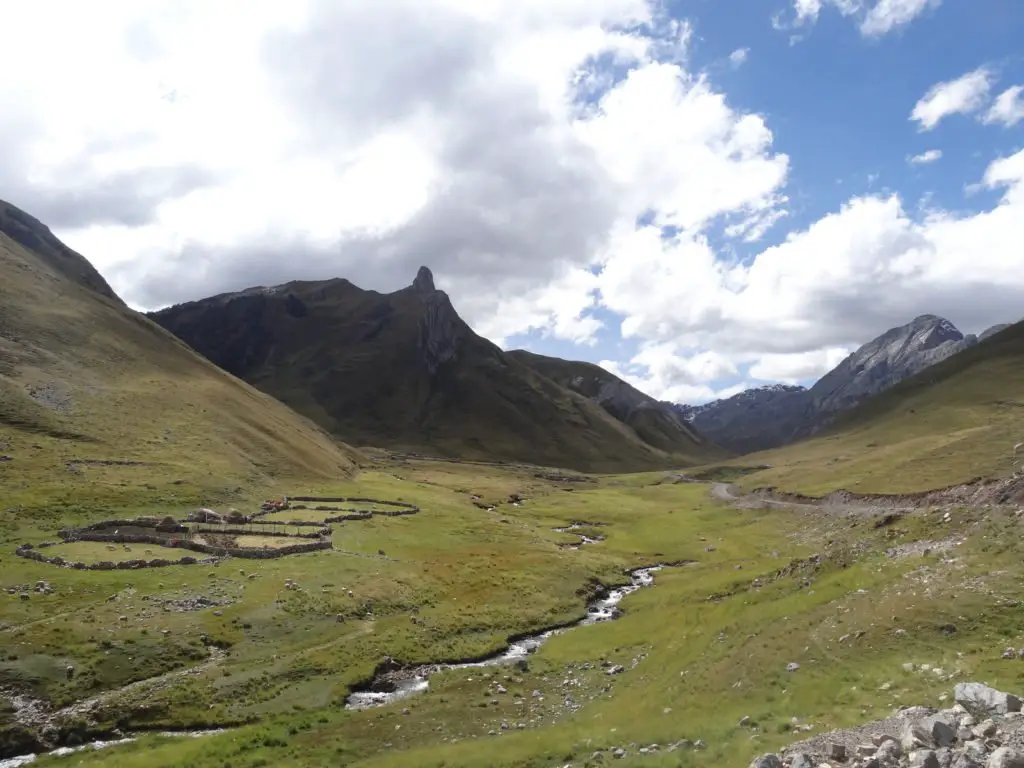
(953, 422)
(767, 417)
(755, 419)
(656, 423)
(895, 355)
(87, 382)
(403, 370)
(35, 237)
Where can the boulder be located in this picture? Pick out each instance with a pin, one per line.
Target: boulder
(923, 758)
(940, 729)
(767, 761)
(1005, 757)
(800, 760)
(980, 699)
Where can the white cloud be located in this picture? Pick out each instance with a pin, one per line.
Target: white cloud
(463, 147)
(887, 15)
(795, 367)
(662, 383)
(738, 57)
(964, 95)
(929, 156)
(1007, 108)
(848, 277)
(807, 10)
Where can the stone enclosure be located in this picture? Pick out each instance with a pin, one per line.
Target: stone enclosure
(208, 533)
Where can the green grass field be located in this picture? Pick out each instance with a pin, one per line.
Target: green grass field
(470, 578)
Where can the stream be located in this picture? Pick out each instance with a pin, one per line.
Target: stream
(395, 684)
(16, 762)
(584, 539)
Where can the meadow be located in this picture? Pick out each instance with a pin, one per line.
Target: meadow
(710, 643)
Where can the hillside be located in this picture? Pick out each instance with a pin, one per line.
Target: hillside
(402, 370)
(950, 423)
(88, 385)
(656, 423)
(767, 417)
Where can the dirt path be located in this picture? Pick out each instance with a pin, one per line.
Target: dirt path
(731, 494)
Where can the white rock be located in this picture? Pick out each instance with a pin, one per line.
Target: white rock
(979, 699)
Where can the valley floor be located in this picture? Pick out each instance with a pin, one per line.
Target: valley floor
(790, 620)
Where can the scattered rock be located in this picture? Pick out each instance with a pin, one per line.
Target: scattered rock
(979, 699)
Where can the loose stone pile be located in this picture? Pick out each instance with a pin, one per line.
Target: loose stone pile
(985, 729)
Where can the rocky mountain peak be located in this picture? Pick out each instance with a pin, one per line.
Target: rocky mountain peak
(441, 330)
(424, 282)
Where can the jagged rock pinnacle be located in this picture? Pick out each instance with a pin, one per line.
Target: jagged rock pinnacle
(424, 282)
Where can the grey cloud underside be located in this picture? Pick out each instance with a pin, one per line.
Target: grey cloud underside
(128, 199)
(78, 197)
(521, 196)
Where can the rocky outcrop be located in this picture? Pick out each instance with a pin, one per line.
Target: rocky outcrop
(440, 328)
(767, 417)
(895, 355)
(984, 730)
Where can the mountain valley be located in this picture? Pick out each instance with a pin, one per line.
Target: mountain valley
(407, 547)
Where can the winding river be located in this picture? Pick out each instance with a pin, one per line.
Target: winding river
(394, 684)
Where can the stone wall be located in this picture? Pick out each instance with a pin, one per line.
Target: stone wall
(403, 508)
(195, 546)
(30, 553)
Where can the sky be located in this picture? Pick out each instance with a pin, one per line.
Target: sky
(699, 195)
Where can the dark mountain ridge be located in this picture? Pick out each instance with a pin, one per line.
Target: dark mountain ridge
(403, 370)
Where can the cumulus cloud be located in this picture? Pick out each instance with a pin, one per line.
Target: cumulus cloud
(929, 156)
(1007, 108)
(792, 310)
(964, 95)
(795, 367)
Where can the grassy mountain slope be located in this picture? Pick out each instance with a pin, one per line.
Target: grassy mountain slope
(403, 370)
(98, 402)
(656, 423)
(948, 424)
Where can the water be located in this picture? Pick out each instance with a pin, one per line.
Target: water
(389, 687)
(582, 537)
(17, 762)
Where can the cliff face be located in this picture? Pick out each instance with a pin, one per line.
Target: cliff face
(441, 330)
(767, 417)
(403, 370)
